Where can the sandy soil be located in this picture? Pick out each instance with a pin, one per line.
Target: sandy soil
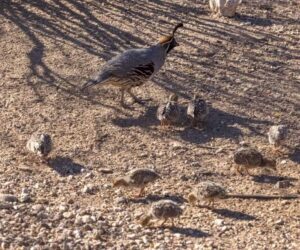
(247, 67)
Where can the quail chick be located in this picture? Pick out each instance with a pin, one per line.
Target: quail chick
(138, 178)
(225, 8)
(162, 210)
(169, 113)
(197, 110)
(246, 158)
(40, 144)
(134, 67)
(208, 191)
(277, 135)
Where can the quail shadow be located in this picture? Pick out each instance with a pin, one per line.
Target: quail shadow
(187, 231)
(145, 120)
(233, 214)
(295, 156)
(65, 166)
(221, 124)
(258, 21)
(272, 179)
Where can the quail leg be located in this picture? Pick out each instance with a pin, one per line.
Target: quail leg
(135, 99)
(163, 223)
(239, 170)
(141, 191)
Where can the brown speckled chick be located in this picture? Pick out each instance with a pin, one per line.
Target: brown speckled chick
(162, 210)
(40, 144)
(277, 135)
(208, 191)
(246, 158)
(169, 113)
(197, 110)
(138, 178)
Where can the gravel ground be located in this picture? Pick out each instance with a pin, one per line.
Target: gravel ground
(247, 67)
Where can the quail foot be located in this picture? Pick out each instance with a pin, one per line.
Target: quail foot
(134, 67)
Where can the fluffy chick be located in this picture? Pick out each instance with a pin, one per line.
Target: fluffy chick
(40, 144)
(162, 210)
(137, 178)
(247, 158)
(277, 135)
(197, 110)
(208, 191)
(169, 113)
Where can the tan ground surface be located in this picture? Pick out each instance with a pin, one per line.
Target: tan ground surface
(247, 67)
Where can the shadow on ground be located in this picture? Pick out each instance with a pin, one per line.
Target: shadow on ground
(65, 166)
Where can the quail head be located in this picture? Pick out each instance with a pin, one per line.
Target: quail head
(162, 210)
(40, 144)
(134, 67)
(277, 135)
(247, 158)
(197, 110)
(137, 178)
(169, 113)
(208, 191)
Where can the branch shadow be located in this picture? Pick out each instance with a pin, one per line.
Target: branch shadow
(65, 166)
(153, 198)
(258, 21)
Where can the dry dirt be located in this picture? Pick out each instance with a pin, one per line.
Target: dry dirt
(247, 67)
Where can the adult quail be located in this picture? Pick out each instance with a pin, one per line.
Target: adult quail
(169, 113)
(247, 158)
(134, 67)
(162, 210)
(208, 191)
(39, 144)
(138, 178)
(197, 110)
(277, 135)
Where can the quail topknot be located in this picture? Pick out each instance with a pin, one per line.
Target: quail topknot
(138, 178)
(40, 144)
(162, 210)
(197, 110)
(277, 135)
(208, 191)
(247, 158)
(169, 113)
(134, 67)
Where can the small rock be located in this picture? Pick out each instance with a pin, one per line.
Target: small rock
(176, 145)
(8, 198)
(89, 189)
(67, 215)
(121, 200)
(279, 222)
(37, 208)
(283, 184)
(219, 222)
(25, 197)
(283, 162)
(86, 219)
(105, 171)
